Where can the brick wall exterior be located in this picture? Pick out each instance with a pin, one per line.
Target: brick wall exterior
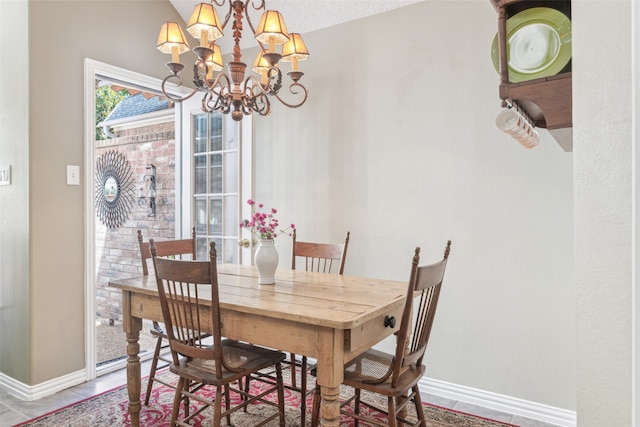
(117, 250)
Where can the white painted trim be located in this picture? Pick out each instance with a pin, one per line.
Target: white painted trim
(93, 69)
(635, 199)
(498, 402)
(38, 391)
(247, 183)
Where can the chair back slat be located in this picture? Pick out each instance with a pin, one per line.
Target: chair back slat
(423, 293)
(320, 257)
(189, 299)
(180, 248)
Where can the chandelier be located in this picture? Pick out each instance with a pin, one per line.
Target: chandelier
(232, 92)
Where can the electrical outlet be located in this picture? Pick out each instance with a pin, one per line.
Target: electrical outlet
(5, 175)
(73, 175)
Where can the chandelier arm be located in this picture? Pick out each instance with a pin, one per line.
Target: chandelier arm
(253, 87)
(215, 99)
(255, 97)
(292, 89)
(229, 13)
(200, 70)
(175, 98)
(261, 6)
(274, 75)
(219, 103)
(259, 103)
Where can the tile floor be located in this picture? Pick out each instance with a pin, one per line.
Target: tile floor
(14, 410)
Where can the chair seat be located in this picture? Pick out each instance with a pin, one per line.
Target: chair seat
(366, 370)
(242, 358)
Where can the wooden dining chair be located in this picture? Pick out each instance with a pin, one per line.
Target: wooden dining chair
(180, 248)
(319, 257)
(190, 303)
(396, 375)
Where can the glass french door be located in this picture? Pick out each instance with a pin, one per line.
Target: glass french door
(218, 147)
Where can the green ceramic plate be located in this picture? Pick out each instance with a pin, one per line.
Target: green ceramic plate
(538, 44)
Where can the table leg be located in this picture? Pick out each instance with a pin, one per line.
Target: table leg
(330, 406)
(330, 364)
(133, 377)
(132, 327)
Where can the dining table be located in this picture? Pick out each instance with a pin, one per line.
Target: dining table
(331, 318)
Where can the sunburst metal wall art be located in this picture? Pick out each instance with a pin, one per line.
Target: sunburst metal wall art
(114, 189)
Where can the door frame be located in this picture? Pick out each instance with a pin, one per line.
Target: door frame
(94, 69)
(635, 250)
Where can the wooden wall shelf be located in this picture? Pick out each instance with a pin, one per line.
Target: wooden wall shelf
(547, 101)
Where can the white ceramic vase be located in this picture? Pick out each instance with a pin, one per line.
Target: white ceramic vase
(266, 261)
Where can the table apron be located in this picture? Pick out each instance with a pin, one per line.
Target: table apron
(291, 336)
(360, 338)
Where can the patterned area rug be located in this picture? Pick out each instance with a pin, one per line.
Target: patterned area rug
(110, 409)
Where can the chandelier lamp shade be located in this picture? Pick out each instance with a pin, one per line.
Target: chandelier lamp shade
(233, 91)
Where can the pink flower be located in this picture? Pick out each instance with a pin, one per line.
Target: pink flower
(263, 225)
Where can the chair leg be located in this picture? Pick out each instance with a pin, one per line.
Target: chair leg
(417, 401)
(152, 371)
(185, 399)
(176, 401)
(247, 387)
(280, 384)
(303, 392)
(391, 407)
(356, 407)
(227, 399)
(292, 359)
(217, 407)
(315, 407)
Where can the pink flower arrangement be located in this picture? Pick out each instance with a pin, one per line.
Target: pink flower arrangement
(264, 225)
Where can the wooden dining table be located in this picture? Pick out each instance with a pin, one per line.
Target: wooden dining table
(328, 317)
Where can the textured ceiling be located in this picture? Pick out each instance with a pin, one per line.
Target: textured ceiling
(303, 16)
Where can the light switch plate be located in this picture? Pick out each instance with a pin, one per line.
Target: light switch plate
(73, 175)
(5, 175)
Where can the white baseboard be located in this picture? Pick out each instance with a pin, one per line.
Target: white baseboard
(35, 392)
(499, 402)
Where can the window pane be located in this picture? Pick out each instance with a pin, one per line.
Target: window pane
(231, 251)
(200, 131)
(216, 173)
(201, 216)
(216, 132)
(216, 217)
(231, 172)
(231, 226)
(202, 248)
(201, 174)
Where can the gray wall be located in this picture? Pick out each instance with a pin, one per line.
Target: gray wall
(397, 144)
(14, 199)
(46, 297)
(603, 215)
